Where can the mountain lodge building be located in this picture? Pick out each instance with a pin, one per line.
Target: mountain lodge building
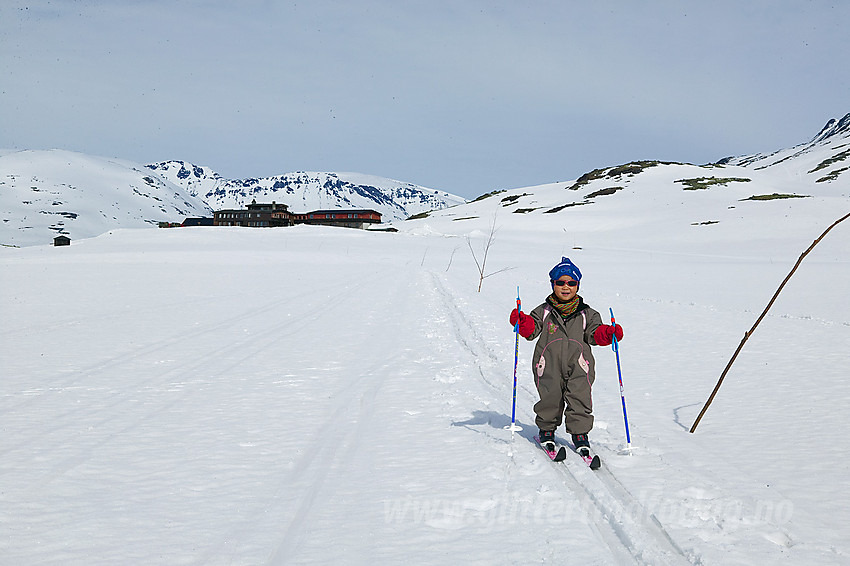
(275, 215)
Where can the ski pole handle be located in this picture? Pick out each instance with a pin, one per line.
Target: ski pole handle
(614, 336)
(518, 310)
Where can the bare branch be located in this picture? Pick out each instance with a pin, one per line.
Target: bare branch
(770, 304)
(500, 271)
(491, 237)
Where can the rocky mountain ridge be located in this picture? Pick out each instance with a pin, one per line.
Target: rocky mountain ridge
(827, 154)
(303, 191)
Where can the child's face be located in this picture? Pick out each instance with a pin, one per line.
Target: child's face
(564, 291)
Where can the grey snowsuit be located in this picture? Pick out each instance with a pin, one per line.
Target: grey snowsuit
(563, 367)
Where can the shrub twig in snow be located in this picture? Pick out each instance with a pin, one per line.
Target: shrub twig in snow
(483, 264)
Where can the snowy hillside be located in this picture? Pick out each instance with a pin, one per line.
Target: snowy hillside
(794, 192)
(305, 191)
(46, 193)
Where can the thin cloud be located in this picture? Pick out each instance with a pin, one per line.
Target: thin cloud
(460, 96)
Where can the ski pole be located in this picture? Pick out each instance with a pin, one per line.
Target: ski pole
(514, 427)
(616, 349)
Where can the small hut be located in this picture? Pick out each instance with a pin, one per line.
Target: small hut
(61, 241)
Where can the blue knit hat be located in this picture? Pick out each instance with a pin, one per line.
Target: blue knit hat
(566, 267)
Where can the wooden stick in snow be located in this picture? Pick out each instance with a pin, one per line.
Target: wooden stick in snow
(770, 304)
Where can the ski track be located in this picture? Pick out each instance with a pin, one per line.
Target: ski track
(625, 517)
(351, 398)
(479, 349)
(170, 342)
(79, 320)
(156, 385)
(331, 457)
(646, 520)
(321, 459)
(115, 411)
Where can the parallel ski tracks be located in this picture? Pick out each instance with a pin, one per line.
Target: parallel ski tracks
(318, 464)
(620, 514)
(311, 476)
(484, 357)
(643, 517)
(78, 378)
(153, 388)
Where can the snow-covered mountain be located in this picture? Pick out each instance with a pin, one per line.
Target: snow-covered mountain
(305, 191)
(46, 193)
(824, 159)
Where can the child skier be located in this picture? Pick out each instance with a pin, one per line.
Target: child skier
(563, 365)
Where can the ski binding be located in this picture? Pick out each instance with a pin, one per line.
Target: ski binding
(589, 457)
(555, 451)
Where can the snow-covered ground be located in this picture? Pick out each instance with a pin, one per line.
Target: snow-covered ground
(313, 395)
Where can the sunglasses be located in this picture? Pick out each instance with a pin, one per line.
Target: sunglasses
(571, 283)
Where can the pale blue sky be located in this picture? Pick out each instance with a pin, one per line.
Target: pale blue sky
(465, 96)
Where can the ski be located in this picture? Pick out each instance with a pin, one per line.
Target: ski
(589, 458)
(558, 454)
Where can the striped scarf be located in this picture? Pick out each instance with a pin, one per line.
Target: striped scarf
(566, 309)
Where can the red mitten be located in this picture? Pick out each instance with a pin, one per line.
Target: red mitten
(526, 323)
(605, 334)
